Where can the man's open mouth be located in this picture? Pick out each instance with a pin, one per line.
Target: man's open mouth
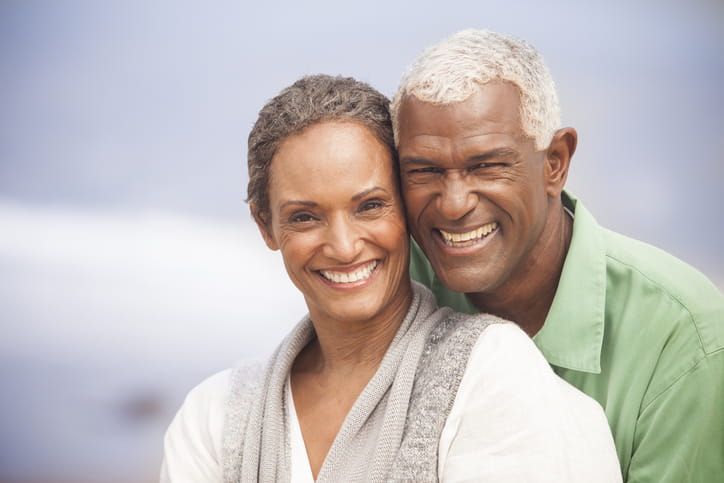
(468, 238)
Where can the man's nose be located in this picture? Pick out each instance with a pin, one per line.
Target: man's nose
(456, 198)
(343, 240)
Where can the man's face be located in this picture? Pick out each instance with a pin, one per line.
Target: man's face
(474, 186)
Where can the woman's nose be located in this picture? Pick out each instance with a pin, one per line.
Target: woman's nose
(343, 240)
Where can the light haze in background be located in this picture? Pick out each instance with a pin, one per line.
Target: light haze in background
(129, 266)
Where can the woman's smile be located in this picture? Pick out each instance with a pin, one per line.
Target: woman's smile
(351, 277)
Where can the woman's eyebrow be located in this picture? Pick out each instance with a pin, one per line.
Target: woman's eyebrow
(364, 193)
(312, 204)
(308, 204)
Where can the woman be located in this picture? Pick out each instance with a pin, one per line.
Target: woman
(376, 383)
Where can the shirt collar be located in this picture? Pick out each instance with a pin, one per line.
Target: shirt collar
(572, 335)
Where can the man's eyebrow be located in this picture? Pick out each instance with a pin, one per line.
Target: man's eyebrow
(504, 152)
(417, 161)
(495, 153)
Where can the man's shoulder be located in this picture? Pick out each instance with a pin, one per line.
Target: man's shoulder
(661, 280)
(654, 263)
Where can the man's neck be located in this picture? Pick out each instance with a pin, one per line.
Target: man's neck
(527, 296)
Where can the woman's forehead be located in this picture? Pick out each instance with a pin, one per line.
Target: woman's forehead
(331, 155)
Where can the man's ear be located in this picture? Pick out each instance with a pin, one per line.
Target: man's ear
(264, 225)
(558, 159)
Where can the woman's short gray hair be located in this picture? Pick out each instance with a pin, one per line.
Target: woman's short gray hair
(452, 70)
(310, 100)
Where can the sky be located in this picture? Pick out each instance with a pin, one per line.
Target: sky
(129, 267)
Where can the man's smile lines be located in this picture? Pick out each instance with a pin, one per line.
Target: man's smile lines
(348, 277)
(468, 238)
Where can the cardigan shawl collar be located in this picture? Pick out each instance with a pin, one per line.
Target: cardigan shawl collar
(256, 442)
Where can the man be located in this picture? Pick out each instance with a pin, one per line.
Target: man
(483, 165)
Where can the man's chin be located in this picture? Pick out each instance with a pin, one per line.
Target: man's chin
(462, 279)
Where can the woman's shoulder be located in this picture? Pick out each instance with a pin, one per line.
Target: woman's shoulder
(192, 444)
(205, 406)
(215, 386)
(245, 377)
(451, 345)
(195, 438)
(456, 327)
(514, 419)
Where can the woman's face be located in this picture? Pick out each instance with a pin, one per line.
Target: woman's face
(337, 217)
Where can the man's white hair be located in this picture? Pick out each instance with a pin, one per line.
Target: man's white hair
(452, 70)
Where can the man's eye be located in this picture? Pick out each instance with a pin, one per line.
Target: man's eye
(478, 166)
(423, 175)
(426, 170)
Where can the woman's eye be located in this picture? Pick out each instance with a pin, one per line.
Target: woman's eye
(301, 218)
(371, 205)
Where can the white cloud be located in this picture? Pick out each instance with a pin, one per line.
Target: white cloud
(151, 283)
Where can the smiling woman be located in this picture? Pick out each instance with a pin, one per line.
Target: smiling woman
(375, 383)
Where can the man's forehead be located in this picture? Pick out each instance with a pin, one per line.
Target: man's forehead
(492, 108)
(490, 90)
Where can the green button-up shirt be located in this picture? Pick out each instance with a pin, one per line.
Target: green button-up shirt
(643, 334)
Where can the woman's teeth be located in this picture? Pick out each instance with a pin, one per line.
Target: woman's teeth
(348, 277)
(469, 238)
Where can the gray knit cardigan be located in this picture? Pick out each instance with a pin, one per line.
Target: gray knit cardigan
(393, 429)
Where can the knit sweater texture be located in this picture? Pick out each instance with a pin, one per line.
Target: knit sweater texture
(393, 429)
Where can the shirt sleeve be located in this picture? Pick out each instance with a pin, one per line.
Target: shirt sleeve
(514, 420)
(680, 434)
(192, 445)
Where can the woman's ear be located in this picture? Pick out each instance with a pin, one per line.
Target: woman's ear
(264, 225)
(558, 159)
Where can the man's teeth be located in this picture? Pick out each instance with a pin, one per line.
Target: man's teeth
(349, 277)
(465, 239)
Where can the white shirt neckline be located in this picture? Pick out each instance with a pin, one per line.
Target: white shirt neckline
(301, 470)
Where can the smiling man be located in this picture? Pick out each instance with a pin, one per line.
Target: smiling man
(483, 162)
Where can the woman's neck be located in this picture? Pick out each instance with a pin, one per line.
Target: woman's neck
(347, 347)
(333, 369)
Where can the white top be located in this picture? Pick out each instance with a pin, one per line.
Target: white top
(300, 470)
(513, 420)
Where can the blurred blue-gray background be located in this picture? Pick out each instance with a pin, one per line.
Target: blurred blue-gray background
(129, 267)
